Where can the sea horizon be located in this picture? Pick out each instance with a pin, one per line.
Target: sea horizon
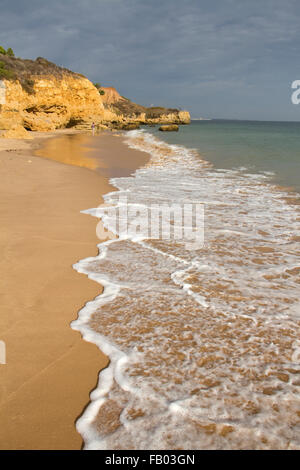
(245, 120)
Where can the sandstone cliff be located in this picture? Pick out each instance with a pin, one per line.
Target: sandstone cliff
(46, 97)
(39, 95)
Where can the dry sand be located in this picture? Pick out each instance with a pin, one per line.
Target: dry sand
(50, 370)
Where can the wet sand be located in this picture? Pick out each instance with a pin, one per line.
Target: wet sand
(50, 370)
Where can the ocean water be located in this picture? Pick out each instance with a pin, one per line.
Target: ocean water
(260, 146)
(204, 344)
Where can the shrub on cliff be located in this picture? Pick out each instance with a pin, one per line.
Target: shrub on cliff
(5, 72)
(10, 52)
(99, 88)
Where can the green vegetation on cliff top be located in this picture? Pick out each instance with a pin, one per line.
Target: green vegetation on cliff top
(25, 70)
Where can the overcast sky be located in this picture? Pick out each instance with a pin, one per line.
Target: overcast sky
(216, 58)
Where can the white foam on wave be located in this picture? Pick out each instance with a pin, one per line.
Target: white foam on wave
(165, 312)
(116, 356)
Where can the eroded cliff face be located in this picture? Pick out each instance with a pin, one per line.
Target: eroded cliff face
(111, 96)
(55, 103)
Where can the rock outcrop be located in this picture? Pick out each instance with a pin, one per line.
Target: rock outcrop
(40, 96)
(17, 132)
(169, 128)
(129, 111)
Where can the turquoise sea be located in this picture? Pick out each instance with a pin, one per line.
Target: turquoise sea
(257, 145)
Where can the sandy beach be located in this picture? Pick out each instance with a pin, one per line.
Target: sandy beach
(50, 370)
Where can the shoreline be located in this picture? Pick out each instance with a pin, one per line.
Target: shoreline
(45, 234)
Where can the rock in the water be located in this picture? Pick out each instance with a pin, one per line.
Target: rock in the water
(170, 128)
(130, 126)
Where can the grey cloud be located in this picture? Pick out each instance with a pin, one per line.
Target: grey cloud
(226, 58)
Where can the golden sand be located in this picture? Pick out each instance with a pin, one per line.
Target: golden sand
(50, 370)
